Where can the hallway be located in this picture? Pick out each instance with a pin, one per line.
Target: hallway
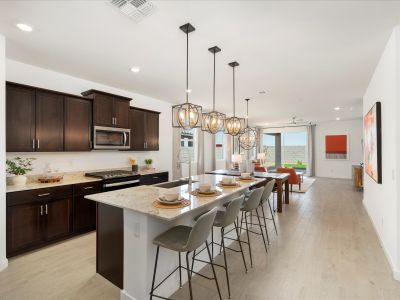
(326, 249)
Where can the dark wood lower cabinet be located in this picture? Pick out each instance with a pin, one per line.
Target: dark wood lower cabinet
(58, 214)
(110, 243)
(24, 226)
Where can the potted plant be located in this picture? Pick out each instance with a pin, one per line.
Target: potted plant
(19, 167)
(148, 163)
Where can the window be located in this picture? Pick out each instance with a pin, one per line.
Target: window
(294, 150)
(188, 144)
(219, 146)
(268, 146)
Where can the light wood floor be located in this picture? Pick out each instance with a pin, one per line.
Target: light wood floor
(326, 249)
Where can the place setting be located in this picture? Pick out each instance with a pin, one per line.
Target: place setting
(206, 190)
(228, 182)
(246, 177)
(170, 200)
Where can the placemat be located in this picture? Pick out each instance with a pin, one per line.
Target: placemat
(197, 194)
(229, 186)
(247, 180)
(183, 204)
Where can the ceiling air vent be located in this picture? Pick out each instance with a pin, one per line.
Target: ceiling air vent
(134, 9)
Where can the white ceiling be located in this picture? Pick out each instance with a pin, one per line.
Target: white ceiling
(308, 56)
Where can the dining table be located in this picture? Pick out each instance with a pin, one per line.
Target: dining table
(281, 183)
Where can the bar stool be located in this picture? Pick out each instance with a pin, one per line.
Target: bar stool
(185, 239)
(268, 188)
(250, 205)
(222, 220)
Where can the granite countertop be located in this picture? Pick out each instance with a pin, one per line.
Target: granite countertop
(141, 198)
(255, 174)
(69, 178)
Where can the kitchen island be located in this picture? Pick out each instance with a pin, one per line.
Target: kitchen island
(133, 210)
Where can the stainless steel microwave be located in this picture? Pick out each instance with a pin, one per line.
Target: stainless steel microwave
(108, 138)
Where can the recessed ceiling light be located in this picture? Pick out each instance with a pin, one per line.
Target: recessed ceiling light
(337, 119)
(337, 108)
(24, 27)
(135, 69)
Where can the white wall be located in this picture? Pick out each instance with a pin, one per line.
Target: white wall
(65, 162)
(3, 259)
(338, 168)
(382, 200)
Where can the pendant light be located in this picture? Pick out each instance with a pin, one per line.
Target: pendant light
(234, 125)
(213, 121)
(186, 115)
(248, 138)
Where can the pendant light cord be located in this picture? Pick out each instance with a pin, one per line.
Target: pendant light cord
(234, 112)
(247, 113)
(187, 63)
(214, 85)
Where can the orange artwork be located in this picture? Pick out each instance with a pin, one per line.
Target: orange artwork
(372, 143)
(336, 146)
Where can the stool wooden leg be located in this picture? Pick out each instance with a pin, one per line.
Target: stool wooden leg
(240, 246)
(189, 275)
(212, 267)
(248, 239)
(262, 233)
(154, 273)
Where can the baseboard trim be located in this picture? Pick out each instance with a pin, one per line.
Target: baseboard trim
(3, 264)
(395, 272)
(125, 296)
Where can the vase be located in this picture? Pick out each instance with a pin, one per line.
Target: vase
(19, 180)
(149, 166)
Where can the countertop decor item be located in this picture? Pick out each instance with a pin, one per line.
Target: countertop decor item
(213, 121)
(214, 193)
(248, 139)
(50, 178)
(148, 163)
(133, 163)
(19, 167)
(234, 125)
(183, 203)
(186, 115)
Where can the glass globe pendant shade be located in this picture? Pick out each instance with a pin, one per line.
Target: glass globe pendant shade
(248, 139)
(186, 115)
(213, 122)
(234, 126)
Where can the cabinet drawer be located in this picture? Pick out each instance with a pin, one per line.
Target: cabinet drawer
(44, 194)
(154, 178)
(88, 188)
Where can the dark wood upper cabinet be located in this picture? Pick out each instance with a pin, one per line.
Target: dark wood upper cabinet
(121, 112)
(137, 120)
(144, 125)
(49, 122)
(108, 109)
(20, 119)
(152, 131)
(103, 110)
(77, 124)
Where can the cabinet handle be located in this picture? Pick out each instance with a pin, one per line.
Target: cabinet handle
(33, 143)
(45, 194)
(87, 187)
(38, 143)
(46, 209)
(155, 177)
(41, 210)
(115, 120)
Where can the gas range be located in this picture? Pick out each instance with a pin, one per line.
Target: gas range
(116, 179)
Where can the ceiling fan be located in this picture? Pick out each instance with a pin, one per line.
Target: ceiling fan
(294, 121)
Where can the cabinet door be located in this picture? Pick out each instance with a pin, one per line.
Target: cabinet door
(121, 113)
(151, 131)
(24, 226)
(58, 218)
(77, 124)
(84, 214)
(103, 110)
(20, 119)
(49, 122)
(136, 120)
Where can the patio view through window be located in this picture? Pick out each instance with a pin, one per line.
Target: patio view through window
(287, 149)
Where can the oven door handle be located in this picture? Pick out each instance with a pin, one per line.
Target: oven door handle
(107, 185)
